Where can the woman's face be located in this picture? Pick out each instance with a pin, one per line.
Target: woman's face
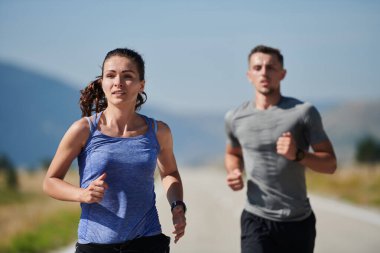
(120, 81)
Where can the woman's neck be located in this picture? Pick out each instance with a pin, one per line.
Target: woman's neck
(123, 119)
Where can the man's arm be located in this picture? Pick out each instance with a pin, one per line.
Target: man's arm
(234, 166)
(322, 159)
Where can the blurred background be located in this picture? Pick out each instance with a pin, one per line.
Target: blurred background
(196, 61)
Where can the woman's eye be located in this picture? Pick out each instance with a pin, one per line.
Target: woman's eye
(128, 77)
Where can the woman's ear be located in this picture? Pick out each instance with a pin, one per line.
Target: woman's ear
(142, 87)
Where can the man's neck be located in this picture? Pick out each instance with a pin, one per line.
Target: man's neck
(264, 102)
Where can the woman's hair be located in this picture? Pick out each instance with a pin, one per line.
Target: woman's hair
(92, 97)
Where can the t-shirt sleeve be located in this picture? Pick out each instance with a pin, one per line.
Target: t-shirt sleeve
(231, 138)
(315, 132)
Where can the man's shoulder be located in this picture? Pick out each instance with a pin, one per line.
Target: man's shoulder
(243, 108)
(291, 102)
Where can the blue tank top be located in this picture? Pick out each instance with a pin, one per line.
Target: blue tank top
(128, 209)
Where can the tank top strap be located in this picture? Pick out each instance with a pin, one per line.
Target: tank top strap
(94, 124)
(97, 118)
(91, 124)
(155, 125)
(152, 123)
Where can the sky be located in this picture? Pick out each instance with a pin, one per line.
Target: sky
(196, 51)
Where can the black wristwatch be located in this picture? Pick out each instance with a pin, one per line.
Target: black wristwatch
(178, 203)
(300, 154)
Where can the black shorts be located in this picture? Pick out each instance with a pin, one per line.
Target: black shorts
(151, 244)
(259, 235)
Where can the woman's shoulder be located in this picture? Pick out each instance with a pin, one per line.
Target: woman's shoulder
(82, 123)
(162, 127)
(163, 131)
(80, 127)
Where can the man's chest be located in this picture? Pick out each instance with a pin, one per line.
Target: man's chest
(262, 130)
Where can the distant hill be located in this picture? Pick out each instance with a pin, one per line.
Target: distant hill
(36, 110)
(348, 122)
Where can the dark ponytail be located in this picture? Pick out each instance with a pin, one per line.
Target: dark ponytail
(92, 98)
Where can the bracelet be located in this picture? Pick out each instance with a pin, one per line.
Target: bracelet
(178, 203)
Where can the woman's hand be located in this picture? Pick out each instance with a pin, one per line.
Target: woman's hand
(94, 193)
(179, 222)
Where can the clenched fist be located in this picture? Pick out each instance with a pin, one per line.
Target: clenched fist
(235, 180)
(94, 193)
(286, 146)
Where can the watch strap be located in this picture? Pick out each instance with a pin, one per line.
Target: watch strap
(300, 155)
(178, 203)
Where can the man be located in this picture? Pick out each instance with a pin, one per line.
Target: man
(270, 137)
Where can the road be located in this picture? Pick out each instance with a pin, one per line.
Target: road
(214, 214)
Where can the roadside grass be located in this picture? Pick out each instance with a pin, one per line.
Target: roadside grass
(9, 196)
(54, 232)
(358, 185)
(32, 222)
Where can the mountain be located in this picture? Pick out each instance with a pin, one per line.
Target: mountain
(36, 110)
(347, 123)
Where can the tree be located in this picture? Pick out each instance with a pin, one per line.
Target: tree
(368, 150)
(10, 172)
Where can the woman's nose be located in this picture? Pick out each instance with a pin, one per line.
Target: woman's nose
(117, 81)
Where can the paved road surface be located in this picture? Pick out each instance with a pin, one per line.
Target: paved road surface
(214, 213)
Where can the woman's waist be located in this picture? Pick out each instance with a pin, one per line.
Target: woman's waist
(99, 225)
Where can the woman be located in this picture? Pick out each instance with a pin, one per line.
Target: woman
(118, 150)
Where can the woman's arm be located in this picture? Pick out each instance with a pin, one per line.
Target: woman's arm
(71, 145)
(170, 178)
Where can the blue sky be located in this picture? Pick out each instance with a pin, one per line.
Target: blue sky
(196, 51)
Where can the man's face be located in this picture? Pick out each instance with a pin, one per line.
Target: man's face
(265, 72)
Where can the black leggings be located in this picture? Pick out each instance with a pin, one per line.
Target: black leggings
(151, 244)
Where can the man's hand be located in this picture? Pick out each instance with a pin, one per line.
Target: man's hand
(235, 180)
(286, 146)
(94, 193)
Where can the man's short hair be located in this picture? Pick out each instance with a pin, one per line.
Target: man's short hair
(267, 50)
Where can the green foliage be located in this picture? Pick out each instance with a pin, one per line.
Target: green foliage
(54, 232)
(10, 172)
(368, 150)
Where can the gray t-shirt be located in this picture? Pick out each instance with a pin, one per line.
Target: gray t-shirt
(276, 187)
